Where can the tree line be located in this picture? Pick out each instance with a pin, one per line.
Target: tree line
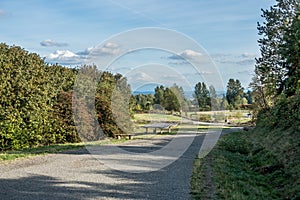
(36, 102)
(204, 98)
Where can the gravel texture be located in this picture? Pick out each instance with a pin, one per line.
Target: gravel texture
(80, 175)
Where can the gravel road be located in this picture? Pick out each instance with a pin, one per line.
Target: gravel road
(80, 175)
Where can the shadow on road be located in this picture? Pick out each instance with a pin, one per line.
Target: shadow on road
(171, 182)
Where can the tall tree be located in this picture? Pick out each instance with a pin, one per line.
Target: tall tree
(290, 51)
(179, 93)
(272, 70)
(202, 95)
(248, 96)
(143, 102)
(234, 92)
(159, 95)
(120, 102)
(213, 98)
(171, 98)
(112, 101)
(224, 103)
(26, 98)
(36, 100)
(171, 102)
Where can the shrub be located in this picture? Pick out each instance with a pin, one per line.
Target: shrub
(205, 118)
(284, 114)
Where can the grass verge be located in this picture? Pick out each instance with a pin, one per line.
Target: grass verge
(153, 117)
(260, 164)
(54, 148)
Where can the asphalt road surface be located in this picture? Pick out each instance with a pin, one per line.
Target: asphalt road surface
(80, 175)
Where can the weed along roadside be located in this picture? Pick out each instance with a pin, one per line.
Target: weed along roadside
(42, 150)
(54, 148)
(263, 163)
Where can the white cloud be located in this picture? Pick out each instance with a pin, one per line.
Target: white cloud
(64, 57)
(62, 54)
(187, 54)
(141, 76)
(110, 45)
(52, 43)
(190, 54)
(107, 49)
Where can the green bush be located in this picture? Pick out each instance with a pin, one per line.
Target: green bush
(64, 130)
(26, 98)
(285, 114)
(113, 93)
(219, 117)
(36, 102)
(205, 118)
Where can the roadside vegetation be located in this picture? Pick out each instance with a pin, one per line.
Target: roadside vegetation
(11, 155)
(263, 163)
(41, 150)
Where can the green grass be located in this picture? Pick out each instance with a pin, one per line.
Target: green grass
(149, 117)
(234, 116)
(260, 164)
(139, 129)
(201, 181)
(234, 173)
(11, 155)
(55, 148)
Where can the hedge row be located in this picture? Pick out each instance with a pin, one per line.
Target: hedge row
(36, 101)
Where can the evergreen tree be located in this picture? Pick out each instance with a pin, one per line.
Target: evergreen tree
(275, 68)
(224, 103)
(171, 98)
(202, 95)
(171, 102)
(159, 95)
(234, 93)
(112, 101)
(290, 51)
(144, 102)
(213, 98)
(248, 96)
(179, 93)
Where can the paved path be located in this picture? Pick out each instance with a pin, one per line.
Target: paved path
(79, 175)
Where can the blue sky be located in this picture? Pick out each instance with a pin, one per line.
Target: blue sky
(68, 31)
